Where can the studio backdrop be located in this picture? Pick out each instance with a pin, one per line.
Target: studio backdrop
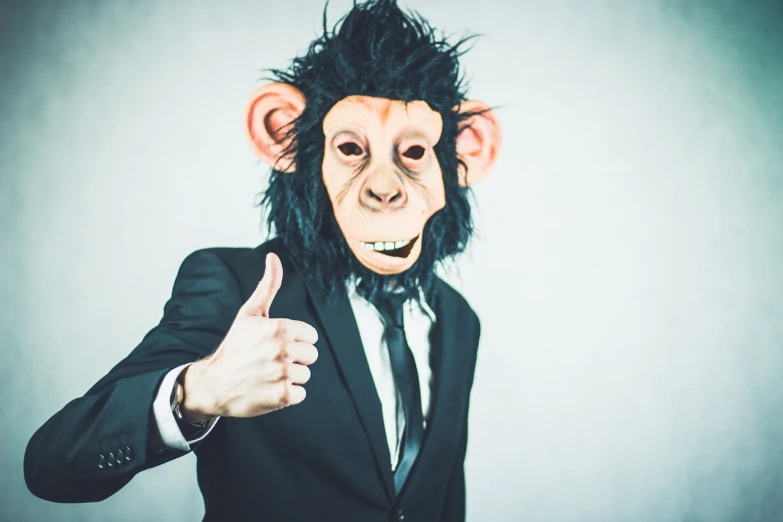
(628, 267)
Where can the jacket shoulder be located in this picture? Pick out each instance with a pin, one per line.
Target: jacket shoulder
(246, 264)
(447, 293)
(235, 255)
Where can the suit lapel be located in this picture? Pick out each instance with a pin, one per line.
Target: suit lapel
(339, 325)
(446, 348)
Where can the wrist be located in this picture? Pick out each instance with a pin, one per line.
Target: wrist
(195, 406)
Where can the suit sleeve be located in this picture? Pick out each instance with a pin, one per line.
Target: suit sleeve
(454, 503)
(97, 443)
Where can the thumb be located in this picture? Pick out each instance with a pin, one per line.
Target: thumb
(261, 300)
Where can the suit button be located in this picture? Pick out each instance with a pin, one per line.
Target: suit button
(101, 461)
(128, 454)
(400, 515)
(120, 457)
(110, 460)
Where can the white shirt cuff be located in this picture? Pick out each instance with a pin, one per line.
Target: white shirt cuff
(168, 427)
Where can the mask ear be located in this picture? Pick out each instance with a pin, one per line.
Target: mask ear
(478, 141)
(270, 112)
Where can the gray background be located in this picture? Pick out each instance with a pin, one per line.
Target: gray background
(628, 269)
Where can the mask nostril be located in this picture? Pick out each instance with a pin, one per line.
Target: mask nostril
(374, 196)
(383, 198)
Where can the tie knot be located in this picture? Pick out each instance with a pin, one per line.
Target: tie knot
(390, 306)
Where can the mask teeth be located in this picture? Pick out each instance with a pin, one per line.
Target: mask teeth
(384, 246)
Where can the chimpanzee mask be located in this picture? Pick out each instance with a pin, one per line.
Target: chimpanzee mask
(373, 146)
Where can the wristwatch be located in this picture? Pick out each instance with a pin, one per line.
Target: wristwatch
(177, 399)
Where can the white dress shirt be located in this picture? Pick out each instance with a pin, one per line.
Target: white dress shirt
(417, 322)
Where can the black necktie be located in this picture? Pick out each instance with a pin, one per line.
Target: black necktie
(406, 377)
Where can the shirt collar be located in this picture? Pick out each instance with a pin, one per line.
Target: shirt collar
(353, 293)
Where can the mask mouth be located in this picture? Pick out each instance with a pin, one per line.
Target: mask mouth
(391, 248)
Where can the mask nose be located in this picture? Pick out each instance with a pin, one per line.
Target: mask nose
(384, 191)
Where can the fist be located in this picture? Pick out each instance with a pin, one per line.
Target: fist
(261, 364)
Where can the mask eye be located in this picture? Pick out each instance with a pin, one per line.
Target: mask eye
(350, 148)
(414, 152)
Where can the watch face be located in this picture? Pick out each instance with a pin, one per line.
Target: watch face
(176, 399)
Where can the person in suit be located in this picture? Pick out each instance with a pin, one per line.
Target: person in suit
(372, 144)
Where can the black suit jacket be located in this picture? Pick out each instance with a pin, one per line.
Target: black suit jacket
(322, 460)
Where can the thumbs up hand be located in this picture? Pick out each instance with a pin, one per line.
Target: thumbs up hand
(260, 365)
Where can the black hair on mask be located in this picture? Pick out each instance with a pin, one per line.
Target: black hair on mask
(375, 50)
